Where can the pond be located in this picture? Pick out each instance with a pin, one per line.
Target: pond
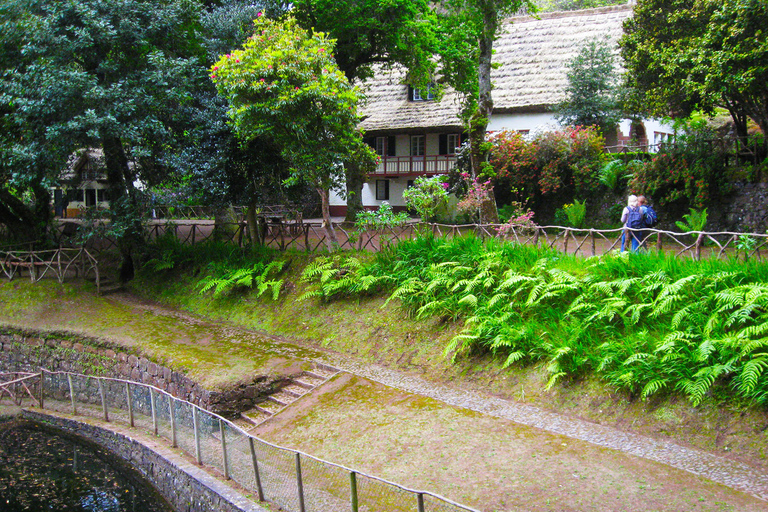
(42, 469)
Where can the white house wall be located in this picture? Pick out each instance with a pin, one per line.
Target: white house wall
(521, 122)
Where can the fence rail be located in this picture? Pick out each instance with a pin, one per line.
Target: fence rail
(58, 263)
(294, 480)
(312, 237)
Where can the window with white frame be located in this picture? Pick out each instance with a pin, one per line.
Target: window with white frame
(418, 145)
(661, 138)
(380, 146)
(454, 141)
(427, 94)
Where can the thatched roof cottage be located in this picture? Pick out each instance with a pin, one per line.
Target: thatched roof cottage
(416, 135)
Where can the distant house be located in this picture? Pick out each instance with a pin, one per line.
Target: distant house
(416, 135)
(83, 184)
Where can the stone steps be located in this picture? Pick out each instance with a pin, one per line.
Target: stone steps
(297, 387)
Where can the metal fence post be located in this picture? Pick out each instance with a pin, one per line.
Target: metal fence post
(154, 409)
(103, 401)
(353, 490)
(129, 399)
(224, 449)
(420, 502)
(71, 394)
(256, 469)
(196, 427)
(300, 483)
(172, 413)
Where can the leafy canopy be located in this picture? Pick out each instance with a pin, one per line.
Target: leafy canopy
(285, 85)
(687, 55)
(591, 98)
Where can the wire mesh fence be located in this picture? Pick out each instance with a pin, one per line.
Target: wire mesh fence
(293, 480)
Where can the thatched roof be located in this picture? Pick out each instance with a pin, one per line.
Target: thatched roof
(533, 55)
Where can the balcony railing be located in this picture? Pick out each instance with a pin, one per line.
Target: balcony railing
(391, 166)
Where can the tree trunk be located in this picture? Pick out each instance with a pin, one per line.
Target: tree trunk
(125, 203)
(332, 242)
(253, 227)
(479, 120)
(355, 181)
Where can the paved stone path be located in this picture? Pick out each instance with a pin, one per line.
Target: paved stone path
(718, 469)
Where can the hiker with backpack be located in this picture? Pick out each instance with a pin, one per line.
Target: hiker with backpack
(631, 217)
(650, 219)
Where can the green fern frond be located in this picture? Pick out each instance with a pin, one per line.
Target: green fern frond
(653, 387)
(751, 372)
(513, 358)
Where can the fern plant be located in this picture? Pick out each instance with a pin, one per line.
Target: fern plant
(259, 276)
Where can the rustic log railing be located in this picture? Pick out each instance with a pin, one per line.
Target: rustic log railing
(59, 263)
(20, 385)
(312, 237)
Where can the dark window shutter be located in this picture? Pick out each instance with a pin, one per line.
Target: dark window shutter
(443, 144)
(391, 146)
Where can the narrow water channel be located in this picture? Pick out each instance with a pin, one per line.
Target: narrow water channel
(43, 470)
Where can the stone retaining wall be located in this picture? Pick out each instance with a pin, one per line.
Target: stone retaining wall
(186, 487)
(30, 351)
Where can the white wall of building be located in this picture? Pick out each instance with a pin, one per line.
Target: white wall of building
(521, 122)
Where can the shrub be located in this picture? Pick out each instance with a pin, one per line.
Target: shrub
(383, 217)
(693, 170)
(551, 163)
(576, 212)
(427, 196)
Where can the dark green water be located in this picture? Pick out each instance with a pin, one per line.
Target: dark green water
(41, 470)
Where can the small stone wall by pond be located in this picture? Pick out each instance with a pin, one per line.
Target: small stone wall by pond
(31, 351)
(186, 487)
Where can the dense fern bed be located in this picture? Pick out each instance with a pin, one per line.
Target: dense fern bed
(646, 323)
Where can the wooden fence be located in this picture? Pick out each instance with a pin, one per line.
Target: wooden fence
(59, 263)
(312, 237)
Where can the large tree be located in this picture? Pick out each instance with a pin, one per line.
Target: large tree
(687, 55)
(88, 73)
(591, 98)
(284, 85)
(370, 32)
(468, 31)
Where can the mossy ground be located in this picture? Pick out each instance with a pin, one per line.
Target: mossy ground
(369, 331)
(416, 441)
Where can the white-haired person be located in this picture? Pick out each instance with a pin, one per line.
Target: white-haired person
(631, 217)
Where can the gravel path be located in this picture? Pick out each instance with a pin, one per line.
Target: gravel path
(718, 469)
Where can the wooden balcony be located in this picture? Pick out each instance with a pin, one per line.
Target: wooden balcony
(430, 165)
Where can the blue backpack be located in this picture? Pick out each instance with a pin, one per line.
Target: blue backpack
(635, 218)
(650, 219)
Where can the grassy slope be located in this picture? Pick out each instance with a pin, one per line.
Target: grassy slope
(368, 331)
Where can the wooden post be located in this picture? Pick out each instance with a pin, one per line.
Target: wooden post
(103, 400)
(697, 249)
(300, 483)
(353, 490)
(592, 235)
(658, 241)
(256, 469)
(172, 414)
(71, 394)
(224, 449)
(565, 244)
(196, 428)
(420, 502)
(42, 388)
(129, 399)
(153, 406)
